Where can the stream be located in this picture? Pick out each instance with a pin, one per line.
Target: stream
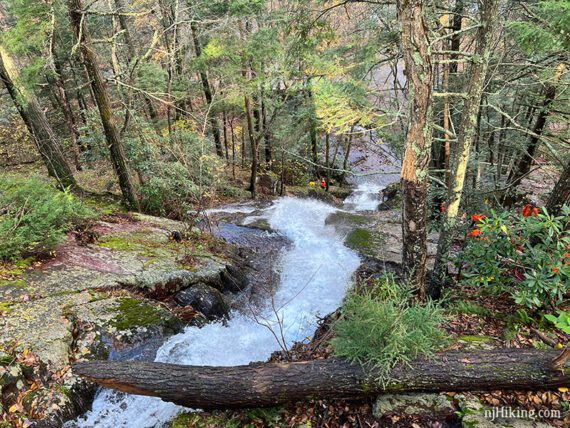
(314, 273)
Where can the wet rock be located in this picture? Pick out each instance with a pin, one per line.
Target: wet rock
(374, 268)
(390, 197)
(435, 405)
(233, 279)
(204, 299)
(323, 196)
(257, 223)
(160, 284)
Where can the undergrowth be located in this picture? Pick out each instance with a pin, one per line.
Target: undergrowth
(34, 216)
(383, 326)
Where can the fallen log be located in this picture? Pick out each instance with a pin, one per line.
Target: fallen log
(269, 384)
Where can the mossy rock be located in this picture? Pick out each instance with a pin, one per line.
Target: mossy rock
(413, 404)
(259, 223)
(477, 342)
(367, 242)
(359, 239)
(133, 313)
(343, 218)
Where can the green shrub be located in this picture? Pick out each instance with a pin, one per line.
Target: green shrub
(526, 254)
(561, 322)
(34, 216)
(384, 326)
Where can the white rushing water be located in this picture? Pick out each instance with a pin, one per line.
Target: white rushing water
(315, 274)
(365, 197)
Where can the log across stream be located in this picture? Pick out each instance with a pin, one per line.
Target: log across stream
(269, 384)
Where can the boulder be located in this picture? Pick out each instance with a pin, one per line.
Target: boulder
(477, 415)
(204, 299)
(233, 279)
(434, 405)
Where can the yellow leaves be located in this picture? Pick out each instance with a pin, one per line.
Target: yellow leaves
(504, 229)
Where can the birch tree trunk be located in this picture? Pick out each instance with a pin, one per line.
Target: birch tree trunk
(466, 135)
(414, 176)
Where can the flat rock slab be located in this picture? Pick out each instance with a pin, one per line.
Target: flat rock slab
(36, 304)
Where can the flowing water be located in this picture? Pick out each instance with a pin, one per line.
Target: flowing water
(314, 275)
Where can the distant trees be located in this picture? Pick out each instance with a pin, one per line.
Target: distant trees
(283, 89)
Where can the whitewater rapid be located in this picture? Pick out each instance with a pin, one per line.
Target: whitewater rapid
(314, 275)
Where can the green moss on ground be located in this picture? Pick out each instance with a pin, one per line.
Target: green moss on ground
(118, 243)
(471, 339)
(18, 283)
(247, 419)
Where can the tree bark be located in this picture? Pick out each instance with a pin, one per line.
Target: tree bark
(207, 93)
(327, 155)
(64, 104)
(116, 149)
(270, 384)
(561, 193)
(35, 119)
(465, 137)
(414, 176)
(253, 146)
(522, 167)
(267, 137)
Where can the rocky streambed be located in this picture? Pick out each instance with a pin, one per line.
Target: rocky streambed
(114, 291)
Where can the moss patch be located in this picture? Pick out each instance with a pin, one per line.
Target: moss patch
(136, 313)
(246, 419)
(5, 307)
(118, 243)
(359, 239)
(478, 339)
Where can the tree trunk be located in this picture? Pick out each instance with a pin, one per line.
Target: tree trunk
(561, 193)
(466, 135)
(522, 167)
(35, 119)
(267, 137)
(455, 41)
(226, 143)
(116, 149)
(270, 384)
(253, 146)
(207, 93)
(65, 105)
(414, 176)
(347, 155)
(327, 155)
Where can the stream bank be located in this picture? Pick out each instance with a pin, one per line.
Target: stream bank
(116, 290)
